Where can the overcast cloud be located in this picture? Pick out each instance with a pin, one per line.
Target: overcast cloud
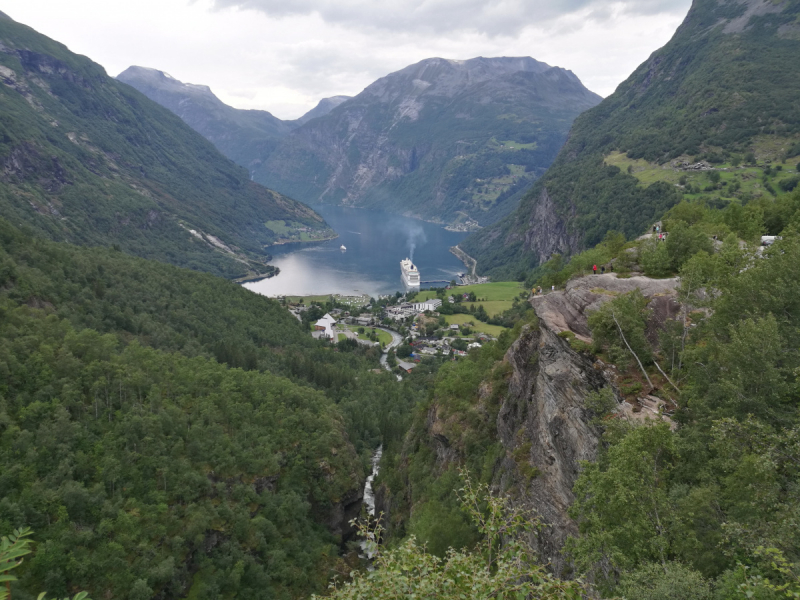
(284, 55)
(446, 17)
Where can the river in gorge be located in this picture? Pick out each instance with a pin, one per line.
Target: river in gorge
(375, 243)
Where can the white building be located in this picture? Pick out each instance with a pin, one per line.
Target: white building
(325, 326)
(431, 304)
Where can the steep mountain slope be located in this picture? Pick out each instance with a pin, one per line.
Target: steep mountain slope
(707, 116)
(443, 140)
(244, 136)
(90, 160)
(247, 137)
(324, 106)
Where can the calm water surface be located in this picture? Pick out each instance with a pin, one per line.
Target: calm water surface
(376, 243)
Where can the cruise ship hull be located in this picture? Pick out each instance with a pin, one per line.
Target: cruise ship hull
(409, 273)
(408, 282)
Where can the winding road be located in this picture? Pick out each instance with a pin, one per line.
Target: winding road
(396, 341)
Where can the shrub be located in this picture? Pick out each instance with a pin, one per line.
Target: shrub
(654, 259)
(672, 581)
(787, 185)
(684, 242)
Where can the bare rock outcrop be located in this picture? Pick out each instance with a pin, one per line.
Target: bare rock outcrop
(547, 231)
(568, 310)
(543, 423)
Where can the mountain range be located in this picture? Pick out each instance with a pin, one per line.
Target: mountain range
(451, 141)
(247, 137)
(87, 159)
(711, 117)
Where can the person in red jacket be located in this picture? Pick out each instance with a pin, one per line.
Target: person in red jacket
(594, 268)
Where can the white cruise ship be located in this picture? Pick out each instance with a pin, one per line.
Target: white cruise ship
(410, 273)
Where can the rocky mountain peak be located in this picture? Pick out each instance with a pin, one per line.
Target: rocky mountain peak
(448, 77)
(442, 139)
(141, 77)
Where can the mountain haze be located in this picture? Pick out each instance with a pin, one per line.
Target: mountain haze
(247, 137)
(324, 106)
(444, 140)
(722, 93)
(90, 160)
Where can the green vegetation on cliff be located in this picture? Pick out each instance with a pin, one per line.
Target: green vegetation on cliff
(89, 160)
(722, 91)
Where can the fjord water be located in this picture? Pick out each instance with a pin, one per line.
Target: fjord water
(376, 242)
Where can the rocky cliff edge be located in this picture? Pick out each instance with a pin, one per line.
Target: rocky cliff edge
(543, 423)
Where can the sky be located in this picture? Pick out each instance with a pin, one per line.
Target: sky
(285, 55)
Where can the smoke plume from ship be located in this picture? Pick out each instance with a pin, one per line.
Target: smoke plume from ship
(416, 236)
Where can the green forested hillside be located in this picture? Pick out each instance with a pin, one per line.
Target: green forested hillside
(146, 472)
(89, 160)
(705, 509)
(146, 464)
(723, 92)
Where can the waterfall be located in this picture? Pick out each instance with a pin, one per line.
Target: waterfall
(369, 493)
(369, 500)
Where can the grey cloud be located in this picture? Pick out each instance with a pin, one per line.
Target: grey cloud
(490, 17)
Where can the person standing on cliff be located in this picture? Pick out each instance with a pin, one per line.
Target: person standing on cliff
(594, 268)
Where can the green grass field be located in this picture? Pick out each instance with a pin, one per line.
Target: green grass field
(734, 182)
(493, 330)
(383, 337)
(495, 297)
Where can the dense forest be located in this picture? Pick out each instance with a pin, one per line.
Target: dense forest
(166, 432)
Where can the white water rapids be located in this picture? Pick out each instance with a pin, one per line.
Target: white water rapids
(367, 549)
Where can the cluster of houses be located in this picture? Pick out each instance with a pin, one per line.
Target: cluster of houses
(431, 346)
(411, 309)
(325, 327)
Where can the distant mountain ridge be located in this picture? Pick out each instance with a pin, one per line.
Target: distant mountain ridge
(247, 137)
(722, 92)
(87, 159)
(444, 140)
(324, 106)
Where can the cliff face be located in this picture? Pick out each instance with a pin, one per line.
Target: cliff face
(543, 423)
